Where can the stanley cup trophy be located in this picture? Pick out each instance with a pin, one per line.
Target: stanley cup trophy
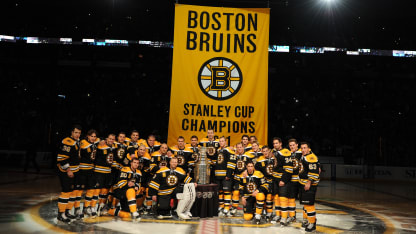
(202, 166)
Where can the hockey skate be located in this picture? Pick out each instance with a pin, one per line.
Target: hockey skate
(78, 213)
(87, 212)
(291, 219)
(257, 219)
(69, 215)
(283, 222)
(310, 227)
(135, 217)
(62, 218)
(275, 219)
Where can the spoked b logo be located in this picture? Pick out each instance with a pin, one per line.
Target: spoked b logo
(220, 78)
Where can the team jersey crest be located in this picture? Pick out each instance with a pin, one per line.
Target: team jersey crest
(172, 180)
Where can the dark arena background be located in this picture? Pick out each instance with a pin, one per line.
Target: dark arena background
(341, 76)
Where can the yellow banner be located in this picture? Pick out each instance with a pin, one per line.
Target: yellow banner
(219, 73)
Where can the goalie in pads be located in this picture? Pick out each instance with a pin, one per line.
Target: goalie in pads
(185, 201)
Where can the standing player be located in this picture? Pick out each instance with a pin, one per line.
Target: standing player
(296, 155)
(224, 171)
(242, 158)
(282, 185)
(212, 145)
(68, 165)
(194, 144)
(193, 147)
(183, 154)
(151, 144)
(277, 146)
(309, 179)
(245, 142)
(254, 139)
(134, 141)
(122, 153)
(267, 164)
(86, 169)
(255, 151)
(103, 161)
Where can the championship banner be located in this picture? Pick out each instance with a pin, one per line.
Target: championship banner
(219, 73)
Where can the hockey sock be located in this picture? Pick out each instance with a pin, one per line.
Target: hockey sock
(63, 201)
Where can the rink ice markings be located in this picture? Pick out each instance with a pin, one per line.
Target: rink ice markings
(390, 223)
(209, 226)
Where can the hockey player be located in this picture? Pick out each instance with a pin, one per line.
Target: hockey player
(277, 146)
(309, 179)
(212, 145)
(267, 164)
(68, 165)
(122, 153)
(253, 139)
(103, 161)
(194, 144)
(296, 155)
(128, 183)
(193, 147)
(134, 141)
(144, 166)
(282, 184)
(165, 185)
(86, 170)
(242, 158)
(245, 142)
(253, 188)
(120, 160)
(224, 171)
(183, 154)
(255, 151)
(151, 144)
(159, 159)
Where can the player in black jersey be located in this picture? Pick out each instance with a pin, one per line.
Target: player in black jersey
(68, 165)
(193, 147)
(106, 152)
(253, 188)
(296, 155)
(183, 154)
(164, 186)
(267, 164)
(242, 158)
(86, 170)
(125, 189)
(309, 179)
(224, 173)
(151, 144)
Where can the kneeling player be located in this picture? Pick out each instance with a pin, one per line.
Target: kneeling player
(253, 186)
(164, 186)
(125, 190)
